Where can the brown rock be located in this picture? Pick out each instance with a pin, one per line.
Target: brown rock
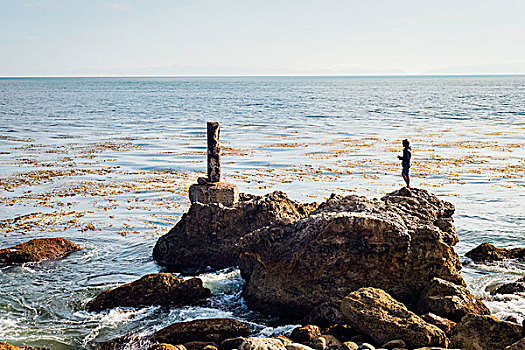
(350, 345)
(152, 289)
(394, 243)
(486, 252)
(206, 234)
(231, 343)
(305, 334)
(163, 346)
(298, 346)
(449, 300)
(200, 345)
(378, 315)
(36, 250)
(475, 332)
(327, 342)
(519, 345)
(398, 343)
(259, 343)
(5, 346)
(212, 330)
(442, 323)
(510, 288)
(325, 314)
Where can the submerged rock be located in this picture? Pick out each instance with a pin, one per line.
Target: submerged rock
(37, 249)
(510, 288)
(449, 300)
(152, 289)
(375, 313)
(475, 332)
(211, 330)
(206, 234)
(486, 252)
(398, 243)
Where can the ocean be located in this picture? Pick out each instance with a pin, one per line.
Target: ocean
(106, 163)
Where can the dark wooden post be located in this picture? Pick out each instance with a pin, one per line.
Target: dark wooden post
(214, 152)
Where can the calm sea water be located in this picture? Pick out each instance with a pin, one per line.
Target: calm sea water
(106, 162)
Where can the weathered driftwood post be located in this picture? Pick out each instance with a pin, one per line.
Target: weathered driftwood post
(211, 189)
(214, 152)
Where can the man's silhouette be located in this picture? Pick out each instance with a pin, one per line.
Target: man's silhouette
(405, 161)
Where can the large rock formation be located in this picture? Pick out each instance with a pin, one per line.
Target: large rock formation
(398, 243)
(36, 250)
(378, 315)
(476, 332)
(206, 234)
(486, 252)
(152, 289)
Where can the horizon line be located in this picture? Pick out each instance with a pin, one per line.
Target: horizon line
(265, 75)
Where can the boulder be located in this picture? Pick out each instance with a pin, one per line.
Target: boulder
(153, 289)
(476, 332)
(442, 323)
(350, 345)
(297, 346)
(163, 346)
(377, 314)
(36, 250)
(519, 345)
(260, 343)
(449, 300)
(212, 330)
(326, 342)
(205, 236)
(305, 334)
(397, 243)
(510, 288)
(325, 314)
(200, 345)
(486, 252)
(5, 346)
(231, 343)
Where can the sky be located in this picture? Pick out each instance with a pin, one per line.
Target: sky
(261, 37)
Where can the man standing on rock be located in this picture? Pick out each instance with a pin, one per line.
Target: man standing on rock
(405, 161)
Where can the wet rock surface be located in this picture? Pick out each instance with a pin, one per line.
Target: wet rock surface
(211, 330)
(377, 314)
(6, 346)
(486, 252)
(449, 300)
(510, 288)
(37, 249)
(397, 243)
(152, 289)
(206, 234)
(475, 332)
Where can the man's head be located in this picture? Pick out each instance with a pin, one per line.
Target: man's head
(405, 143)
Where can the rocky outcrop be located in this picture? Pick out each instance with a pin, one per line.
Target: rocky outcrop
(442, 323)
(486, 252)
(37, 249)
(449, 300)
(398, 243)
(519, 345)
(377, 314)
(152, 289)
(206, 234)
(476, 332)
(510, 288)
(212, 330)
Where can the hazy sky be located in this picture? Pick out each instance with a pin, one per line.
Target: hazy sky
(261, 37)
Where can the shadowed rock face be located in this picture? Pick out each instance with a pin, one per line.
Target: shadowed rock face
(486, 252)
(398, 243)
(510, 288)
(212, 330)
(37, 249)
(206, 234)
(152, 289)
